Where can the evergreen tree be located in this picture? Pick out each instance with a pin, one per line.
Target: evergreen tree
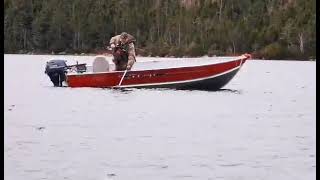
(283, 29)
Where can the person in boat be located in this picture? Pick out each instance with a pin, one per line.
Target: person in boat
(123, 51)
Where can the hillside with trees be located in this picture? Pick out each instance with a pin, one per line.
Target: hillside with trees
(270, 29)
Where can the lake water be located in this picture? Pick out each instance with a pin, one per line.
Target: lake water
(262, 126)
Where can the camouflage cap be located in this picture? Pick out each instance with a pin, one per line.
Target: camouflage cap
(123, 35)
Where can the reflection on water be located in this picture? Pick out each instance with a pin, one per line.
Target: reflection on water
(231, 91)
(235, 91)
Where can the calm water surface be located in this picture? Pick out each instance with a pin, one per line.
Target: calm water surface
(261, 126)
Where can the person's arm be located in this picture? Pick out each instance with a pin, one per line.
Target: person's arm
(131, 49)
(131, 56)
(113, 42)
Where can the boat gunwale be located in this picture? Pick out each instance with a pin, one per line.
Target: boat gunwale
(242, 57)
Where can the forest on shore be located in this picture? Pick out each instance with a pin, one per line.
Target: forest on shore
(268, 29)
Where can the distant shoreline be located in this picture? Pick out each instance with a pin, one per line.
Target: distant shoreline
(110, 55)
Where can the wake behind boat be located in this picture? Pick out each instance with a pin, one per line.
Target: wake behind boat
(194, 73)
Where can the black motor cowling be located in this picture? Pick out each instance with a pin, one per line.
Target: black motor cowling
(56, 70)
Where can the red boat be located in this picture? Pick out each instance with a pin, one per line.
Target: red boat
(189, 73)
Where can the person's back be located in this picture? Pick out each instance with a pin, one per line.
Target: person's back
(123, 50)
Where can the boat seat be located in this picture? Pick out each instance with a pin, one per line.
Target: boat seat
(100, 64)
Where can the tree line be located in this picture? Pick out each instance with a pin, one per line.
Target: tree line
(270, 29)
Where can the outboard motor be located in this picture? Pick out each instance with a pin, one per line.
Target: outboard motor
(56, 70)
